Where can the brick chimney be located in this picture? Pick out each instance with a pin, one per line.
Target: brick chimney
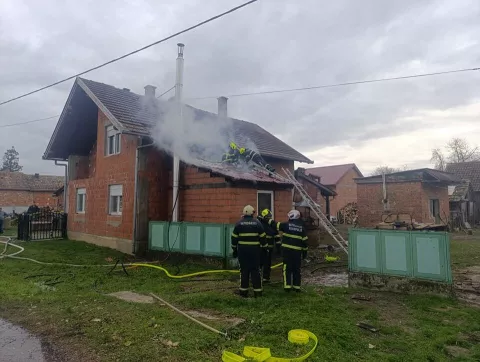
(222, 107)
(150, 90)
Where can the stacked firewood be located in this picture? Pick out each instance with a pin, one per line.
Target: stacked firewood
(348, 214)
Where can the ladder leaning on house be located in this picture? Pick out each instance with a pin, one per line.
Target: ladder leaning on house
(322, 218)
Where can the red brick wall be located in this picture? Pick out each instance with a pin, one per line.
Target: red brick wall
(26, 198)
(404, 197)
(225, 204)
(435, 192)
(105, 171)
(346, 190)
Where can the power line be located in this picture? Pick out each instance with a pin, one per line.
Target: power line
(58, 115)
(297, 89)
(131, 53)
(168, 90)
(340, 84)
(28, 122)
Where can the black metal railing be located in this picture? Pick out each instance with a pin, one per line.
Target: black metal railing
(41, 225)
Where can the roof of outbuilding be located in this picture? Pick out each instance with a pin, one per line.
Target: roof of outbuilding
(137, 114)
(300, 173)
(331, 175)
(467, 171)
(426, 175)
(23, 182)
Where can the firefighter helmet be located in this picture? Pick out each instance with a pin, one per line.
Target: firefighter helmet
(294, 214)
(266, 213)
(233, 145)
(248, 210)
(242, 150)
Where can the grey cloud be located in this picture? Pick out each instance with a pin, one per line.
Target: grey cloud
(268, 45)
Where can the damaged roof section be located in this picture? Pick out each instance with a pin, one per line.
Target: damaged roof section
(424, 175)
(241, 174)
(459, 192)
(137, 114)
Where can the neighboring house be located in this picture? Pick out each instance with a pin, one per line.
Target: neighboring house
(317, 192)
(340, 179)
(18, 190)
(469, 171)
(422, 193)
(462, 206)
(119, 181)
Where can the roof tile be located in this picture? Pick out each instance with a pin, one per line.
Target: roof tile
(467, 171)
(138, 114)
(21, 181)
(330, 175)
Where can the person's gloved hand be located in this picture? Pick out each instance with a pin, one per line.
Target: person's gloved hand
(304, 254)
(235, 253)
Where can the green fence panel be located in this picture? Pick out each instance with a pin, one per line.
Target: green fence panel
(417, 254)
(176, 239)
(396, 253)
(431, 261)
(157, 236)
(194, 238)
(214, 240)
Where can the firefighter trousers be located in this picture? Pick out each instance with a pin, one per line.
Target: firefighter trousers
(266, 262)
(292, 262)
(249, 260)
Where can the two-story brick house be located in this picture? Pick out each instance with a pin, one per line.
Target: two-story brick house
(341, 180)
(119, 181)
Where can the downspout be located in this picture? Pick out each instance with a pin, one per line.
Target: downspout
(134, 239)
(65, 185)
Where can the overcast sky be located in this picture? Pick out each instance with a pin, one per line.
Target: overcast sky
(272, 44)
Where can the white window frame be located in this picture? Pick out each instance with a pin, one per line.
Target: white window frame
(112, 135)
(81, 194)
(272, 205)
(115, 199)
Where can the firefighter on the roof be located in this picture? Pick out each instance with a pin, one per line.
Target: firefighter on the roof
(273, 240)
(294, 248)
(248, 237)
(236, 154)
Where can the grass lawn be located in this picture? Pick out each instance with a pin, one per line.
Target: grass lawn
(79, 318)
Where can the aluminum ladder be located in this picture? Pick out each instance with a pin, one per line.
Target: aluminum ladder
(322, 218)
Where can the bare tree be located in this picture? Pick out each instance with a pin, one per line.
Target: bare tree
(380, 170)
(461, 151)
(438, 158)
(457, 150)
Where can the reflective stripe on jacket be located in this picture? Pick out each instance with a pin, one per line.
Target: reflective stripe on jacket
(248, 232)
(294, 234)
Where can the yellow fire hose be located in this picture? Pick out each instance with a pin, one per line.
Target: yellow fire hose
(296, 336)
(167, 273)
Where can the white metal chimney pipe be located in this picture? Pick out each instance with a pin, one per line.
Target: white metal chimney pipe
(176, 160)
(222, 107)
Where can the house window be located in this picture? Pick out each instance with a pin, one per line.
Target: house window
(112, 146)
(264, 201)
(81, 197)
(115, 194)
(435, 210)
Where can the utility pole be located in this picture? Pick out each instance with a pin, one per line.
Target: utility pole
(178, 103)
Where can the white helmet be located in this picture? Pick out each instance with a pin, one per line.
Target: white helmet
(248, 210)
(293, 214)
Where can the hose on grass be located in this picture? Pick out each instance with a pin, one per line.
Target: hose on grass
(144, 264)
(295, 336)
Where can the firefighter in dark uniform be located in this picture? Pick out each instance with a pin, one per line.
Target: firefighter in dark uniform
(248, 237)
(236, 154)
(294, 249)
(273, 241)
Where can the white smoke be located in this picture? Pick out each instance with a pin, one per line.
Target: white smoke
(196, 135)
